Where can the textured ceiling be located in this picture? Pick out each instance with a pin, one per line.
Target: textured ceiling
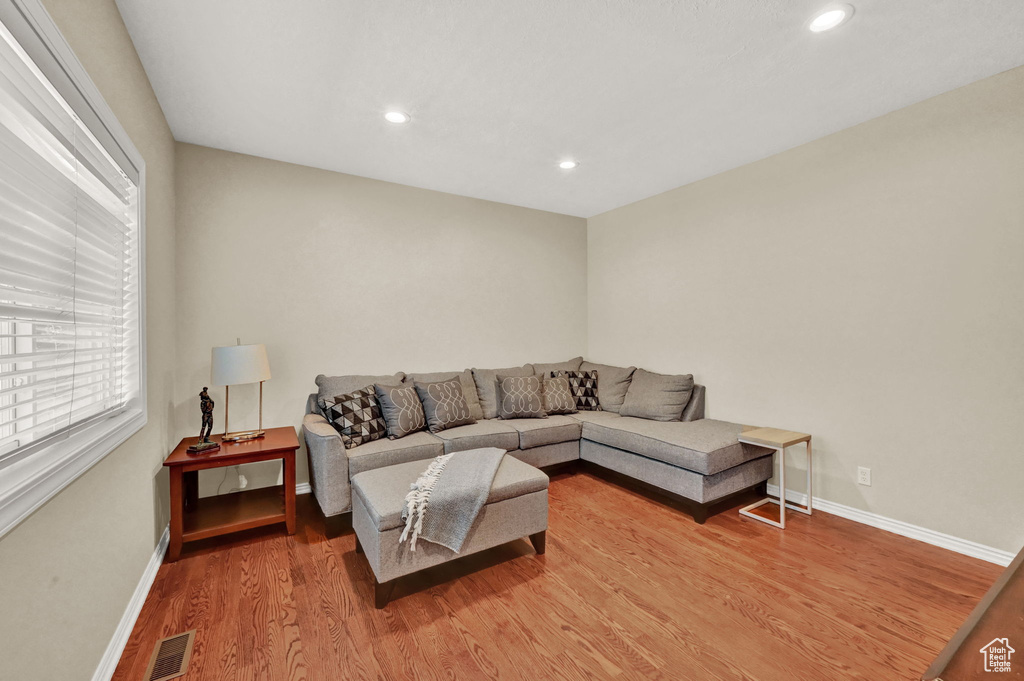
(647, 94)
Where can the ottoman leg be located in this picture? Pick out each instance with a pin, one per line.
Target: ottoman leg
(382, 592)
(359, 547)
(539, 540)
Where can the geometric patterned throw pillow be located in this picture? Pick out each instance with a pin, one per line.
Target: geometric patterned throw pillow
(558, 397)
(357, 417)
(583, 386)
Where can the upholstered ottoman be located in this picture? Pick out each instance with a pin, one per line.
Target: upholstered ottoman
(516, 507)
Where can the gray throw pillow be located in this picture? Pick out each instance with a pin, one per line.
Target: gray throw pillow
(612, 387)
(520, 397)
(468, 387)
(444, 405)
(658, 397)
(402, 409)
(558, 397)
(485, 386)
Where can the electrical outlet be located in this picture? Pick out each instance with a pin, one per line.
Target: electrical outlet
(864, 476)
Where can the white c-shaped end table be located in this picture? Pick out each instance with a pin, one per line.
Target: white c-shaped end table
(778, 440)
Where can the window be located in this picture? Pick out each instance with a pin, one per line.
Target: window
(72, 379)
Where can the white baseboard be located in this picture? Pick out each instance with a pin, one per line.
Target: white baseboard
(946, 541)
(112, 655)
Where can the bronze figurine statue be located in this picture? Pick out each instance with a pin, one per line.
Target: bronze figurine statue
(206, 408)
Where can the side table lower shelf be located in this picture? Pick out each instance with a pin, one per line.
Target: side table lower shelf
(225, 513)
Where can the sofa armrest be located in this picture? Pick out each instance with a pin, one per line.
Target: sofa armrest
(694, 409)
(328, 465)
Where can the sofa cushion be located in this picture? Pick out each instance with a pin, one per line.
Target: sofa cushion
(330, 386)
(380, 453)
(383, 491)
(486, 433)
(658, 397)
(545, 370)
(549, 431)
(520, 397)
(612, 384)
(705, 446)
(444, 405)
(558, 397)
(402, 409)
(486, 386)
(468, 387)
(595, 416)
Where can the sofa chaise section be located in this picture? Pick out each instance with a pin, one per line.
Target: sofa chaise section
(697, 490)
(706, 446)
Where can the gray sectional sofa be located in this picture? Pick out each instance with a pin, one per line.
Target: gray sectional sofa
(695, 460)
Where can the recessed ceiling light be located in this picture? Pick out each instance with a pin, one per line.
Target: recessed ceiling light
(568, 165)
(396, 117)
(830, 17)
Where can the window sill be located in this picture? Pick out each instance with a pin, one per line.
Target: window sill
(28, 484)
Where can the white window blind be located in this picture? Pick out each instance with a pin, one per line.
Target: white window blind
(69, 267)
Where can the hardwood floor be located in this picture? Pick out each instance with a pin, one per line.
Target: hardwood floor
(628, 588)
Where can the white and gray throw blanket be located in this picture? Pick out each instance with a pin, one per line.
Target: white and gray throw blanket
(444, 502)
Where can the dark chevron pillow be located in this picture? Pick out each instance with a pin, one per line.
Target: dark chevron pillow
(583, 386)
(357, 417)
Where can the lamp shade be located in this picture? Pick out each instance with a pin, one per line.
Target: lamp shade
(238, 364)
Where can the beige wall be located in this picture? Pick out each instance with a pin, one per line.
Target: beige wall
(68, 571)
(867, 288)
(339, 274)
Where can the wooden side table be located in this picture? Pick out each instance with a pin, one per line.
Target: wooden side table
(193, 518)
(778, 440)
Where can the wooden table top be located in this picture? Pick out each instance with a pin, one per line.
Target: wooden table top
(275, 440)
(773, 437)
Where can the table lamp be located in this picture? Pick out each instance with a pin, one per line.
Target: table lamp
(237, 365)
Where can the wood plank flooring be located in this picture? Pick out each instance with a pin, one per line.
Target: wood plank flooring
(629, 588)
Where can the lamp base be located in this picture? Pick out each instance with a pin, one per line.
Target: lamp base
(242, 437)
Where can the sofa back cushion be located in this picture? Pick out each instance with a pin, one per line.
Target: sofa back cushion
(612, 384)
(444, 405)
(658, 397)
(487, 384)
(332, 386)
(545, 370)
(465, 379)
